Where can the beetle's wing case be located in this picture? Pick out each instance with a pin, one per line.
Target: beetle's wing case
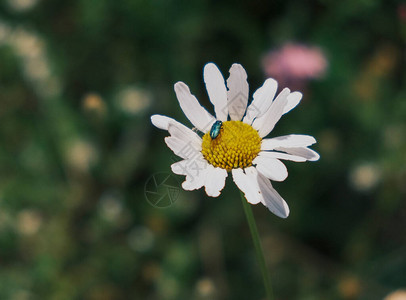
(215, 129)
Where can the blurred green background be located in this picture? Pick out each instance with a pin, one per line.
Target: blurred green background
(79, 80)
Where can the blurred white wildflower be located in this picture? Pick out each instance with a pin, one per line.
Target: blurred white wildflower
(30, 49)
(21, 5)
(37, 68)
(133, 100)
(205, 288)
(365, 176)
(111, 206)
(397, 295)
(93, 102)
(29, 221)
(81, 155)
(26, 43)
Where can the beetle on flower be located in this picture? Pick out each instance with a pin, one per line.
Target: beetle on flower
(215, 129)
(235, 140)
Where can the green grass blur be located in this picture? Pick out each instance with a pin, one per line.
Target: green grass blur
(79, 80)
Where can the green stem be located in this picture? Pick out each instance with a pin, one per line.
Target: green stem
(258, 248)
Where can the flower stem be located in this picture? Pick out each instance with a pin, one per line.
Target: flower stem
(258, 248)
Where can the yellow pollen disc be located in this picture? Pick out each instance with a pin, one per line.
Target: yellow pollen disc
(235, 147)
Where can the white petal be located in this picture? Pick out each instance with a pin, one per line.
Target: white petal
(194, 183)
(281, 155)
(292, 140)
(267, 121)
(180, 167)
(196, 113)
(293, 100)
(262, 100)
(271, 199)
(306, 153)
(272, 168)
(185, 134)
(162, 122)
(195, 178)
(248, 184)
(237, 94)
(195, 170)
(217, 90)
(215, 181)
(182, 148)
(190, 167)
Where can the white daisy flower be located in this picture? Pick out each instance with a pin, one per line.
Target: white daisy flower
(234, 141)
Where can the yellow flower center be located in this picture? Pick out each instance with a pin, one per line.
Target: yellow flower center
(235, 147)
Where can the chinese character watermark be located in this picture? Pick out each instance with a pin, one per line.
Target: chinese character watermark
(162, 190)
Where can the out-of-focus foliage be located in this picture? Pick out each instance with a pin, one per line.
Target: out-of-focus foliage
(78, 82)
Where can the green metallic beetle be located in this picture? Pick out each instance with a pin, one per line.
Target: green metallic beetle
(215, 129)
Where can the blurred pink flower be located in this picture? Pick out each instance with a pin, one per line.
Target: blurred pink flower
(295, 63)
(402, 12)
